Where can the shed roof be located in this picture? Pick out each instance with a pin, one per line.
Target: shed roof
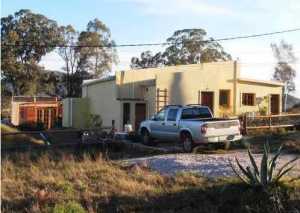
(94, 81)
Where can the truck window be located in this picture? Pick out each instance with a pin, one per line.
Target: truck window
(196, 113)
(160, 116)
(172, 114)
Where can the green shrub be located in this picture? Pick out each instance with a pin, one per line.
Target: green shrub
(264, 177)
(69, 207)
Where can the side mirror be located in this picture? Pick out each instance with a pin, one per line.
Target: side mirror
(153, 118)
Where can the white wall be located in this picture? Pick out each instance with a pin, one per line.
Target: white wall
(103, 102)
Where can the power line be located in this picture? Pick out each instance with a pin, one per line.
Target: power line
(159, 44)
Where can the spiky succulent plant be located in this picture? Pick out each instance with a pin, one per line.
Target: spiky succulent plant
(265, 175)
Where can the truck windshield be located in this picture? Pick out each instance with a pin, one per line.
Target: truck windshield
(194, 113)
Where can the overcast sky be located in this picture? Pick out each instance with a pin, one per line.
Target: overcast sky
(146, 21)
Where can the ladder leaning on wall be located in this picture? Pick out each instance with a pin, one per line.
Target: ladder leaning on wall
(161, 98)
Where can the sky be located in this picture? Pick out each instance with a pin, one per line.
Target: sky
(147, 21)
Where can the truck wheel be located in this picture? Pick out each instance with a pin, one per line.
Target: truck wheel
(187, 142)
(227, 145)
(146, 138)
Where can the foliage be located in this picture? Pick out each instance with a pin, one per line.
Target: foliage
(105, 186)
(262, 104)
(264, 177)
(225, 112)
(25, 38)
(147, 60)
(69, 207)
(284, 71)
(95, 121)
(84, 54)
(187, 46)
(263, 110)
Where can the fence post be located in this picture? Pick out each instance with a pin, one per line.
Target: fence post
(270, 122)
(245, 124)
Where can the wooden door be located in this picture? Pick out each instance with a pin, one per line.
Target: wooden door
(275, 104)
(207, 99)
(140, 114)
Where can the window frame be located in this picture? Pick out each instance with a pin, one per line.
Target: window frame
(157, 115)
(227, 91)
(246, 97)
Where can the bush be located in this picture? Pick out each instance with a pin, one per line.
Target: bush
(31, 126)
(69, 207)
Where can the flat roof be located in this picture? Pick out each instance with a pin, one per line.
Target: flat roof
(34, 98)
(94, 81)
(272, 83)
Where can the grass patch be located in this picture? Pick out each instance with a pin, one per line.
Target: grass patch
(47, 184)
(16, 140)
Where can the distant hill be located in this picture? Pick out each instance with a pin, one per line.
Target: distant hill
(293, 104)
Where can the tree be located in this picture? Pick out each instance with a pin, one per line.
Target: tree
(284, 72)
(100, 53)
(187, 46)
(147, 60)
(25, 38)
(70, 53)
(87, 54)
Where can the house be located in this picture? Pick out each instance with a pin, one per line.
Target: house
(134, 95)
(36, 109)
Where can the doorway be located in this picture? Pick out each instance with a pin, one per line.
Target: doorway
(140, 114)
(207, 99)
(275, 104)
(126, 114)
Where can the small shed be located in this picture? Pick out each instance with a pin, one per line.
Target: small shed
(35, 109)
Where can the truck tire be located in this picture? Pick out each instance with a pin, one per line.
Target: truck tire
(187, 142)
(146, 138)
(227, 145)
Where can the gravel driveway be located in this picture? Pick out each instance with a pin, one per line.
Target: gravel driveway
(212, 165)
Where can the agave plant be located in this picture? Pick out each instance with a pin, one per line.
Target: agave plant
(265, 176)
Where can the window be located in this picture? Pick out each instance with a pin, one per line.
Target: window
(196, 113)
(248, 99)
(172, 114)
(160, 116)
(224, 98)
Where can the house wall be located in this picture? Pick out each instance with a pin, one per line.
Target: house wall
(15, 113)
(183, 83)
(184, 86)
(150, 98)
(75, 112)
(260, 91)
(103, 102)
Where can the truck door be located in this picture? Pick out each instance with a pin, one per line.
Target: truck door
(158, 124)
(171, 127)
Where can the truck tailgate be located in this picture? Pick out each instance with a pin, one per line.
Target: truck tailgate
(222, 128)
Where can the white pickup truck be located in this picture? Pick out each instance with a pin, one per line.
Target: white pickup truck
(190, 125)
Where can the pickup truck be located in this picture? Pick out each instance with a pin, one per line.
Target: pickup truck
(190, 125)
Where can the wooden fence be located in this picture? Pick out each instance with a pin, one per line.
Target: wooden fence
(270, 122)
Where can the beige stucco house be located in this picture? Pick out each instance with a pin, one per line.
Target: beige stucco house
(133, 95)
